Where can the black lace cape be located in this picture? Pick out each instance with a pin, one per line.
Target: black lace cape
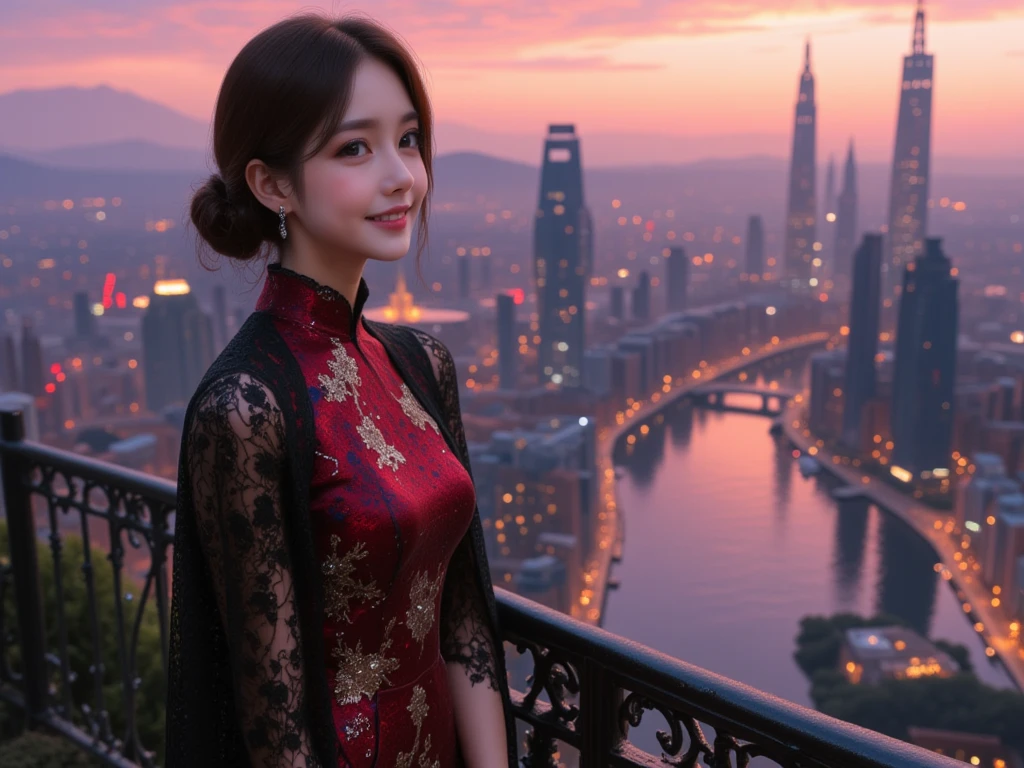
(284, 712)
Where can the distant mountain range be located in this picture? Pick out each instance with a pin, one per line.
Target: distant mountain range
(105, 129)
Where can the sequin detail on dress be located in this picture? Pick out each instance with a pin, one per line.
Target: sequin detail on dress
(362, 674)
(344, 382)
(418, 708)
(339, 585)
(412, 408)
(422, 597)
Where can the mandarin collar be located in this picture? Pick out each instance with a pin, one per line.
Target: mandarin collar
(300, 298)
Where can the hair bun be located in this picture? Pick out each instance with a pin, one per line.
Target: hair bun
(230, 228)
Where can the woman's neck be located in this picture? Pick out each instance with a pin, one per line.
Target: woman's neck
(341, 274)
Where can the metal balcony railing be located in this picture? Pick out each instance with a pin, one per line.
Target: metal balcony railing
(587, 690)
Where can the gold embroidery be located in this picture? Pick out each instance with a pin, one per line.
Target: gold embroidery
(387, 455)
(420, 616)
(345, 380)
(340, 587)
(358, 726)
(418, 708)
(361, 674)
(415, 411)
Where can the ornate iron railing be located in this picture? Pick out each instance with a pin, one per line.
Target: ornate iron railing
(588, 691)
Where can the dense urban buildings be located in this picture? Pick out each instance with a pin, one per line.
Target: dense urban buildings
(508, 348)
(801, 210)
(562, 258)
(911, 163)
(926, 351)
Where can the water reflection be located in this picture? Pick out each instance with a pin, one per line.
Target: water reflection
(848, 556)
(906, 584)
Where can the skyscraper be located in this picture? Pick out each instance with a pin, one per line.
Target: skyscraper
(177, 344)
(508, 358)
(642, 297)
(755, 248)
(8, 363)
(862, 346)
(846, 217)
(31, 359)
(801, 213)
(828, 226)
(677, 279)
(922, 406)
(617, 308)
(85, 320)
(908, 195)
(563, 254)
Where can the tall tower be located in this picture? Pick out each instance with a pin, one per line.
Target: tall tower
(642, 297)
(908, 194)
(846, 217)
(677, 278)
(922, 397)
(177, 344)
(863, 340)
(755, 249)
(563, 254)
(801, 214)
(508, 359)
(85, 321)
(32, 375)
(828, 228)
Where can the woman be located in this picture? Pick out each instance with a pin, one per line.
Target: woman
(331, 603)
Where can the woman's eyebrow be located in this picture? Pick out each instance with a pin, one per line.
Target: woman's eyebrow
(372, 122)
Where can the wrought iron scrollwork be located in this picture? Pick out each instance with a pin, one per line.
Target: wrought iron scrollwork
(555, 676)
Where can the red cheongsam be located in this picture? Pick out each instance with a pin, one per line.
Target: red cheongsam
(389, 503)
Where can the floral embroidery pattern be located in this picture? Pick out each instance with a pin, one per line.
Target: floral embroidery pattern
(362, 674)
(344, 382)
(412, 408)
(418, 708)
(422, 597)
(339, 585)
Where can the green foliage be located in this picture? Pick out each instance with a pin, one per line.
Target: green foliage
(33, 749)
(958, 703)
(80, 632)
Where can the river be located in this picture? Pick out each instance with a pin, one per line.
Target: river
(727, 546)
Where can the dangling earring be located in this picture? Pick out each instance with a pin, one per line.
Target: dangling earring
(281, 227)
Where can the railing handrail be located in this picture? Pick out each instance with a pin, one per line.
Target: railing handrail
(607, 664)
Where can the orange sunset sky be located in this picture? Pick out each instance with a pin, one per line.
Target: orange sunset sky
(689, 68)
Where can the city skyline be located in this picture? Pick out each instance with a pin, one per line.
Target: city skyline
(565, 67)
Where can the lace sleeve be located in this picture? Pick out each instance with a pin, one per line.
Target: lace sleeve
(236, 463)
(466, 637)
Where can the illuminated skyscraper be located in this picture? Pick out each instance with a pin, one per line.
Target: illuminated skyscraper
(617, 304)
(755, 248)
(862, 344)
(85, 320)
(563, 254)
(677, 279)
(828, 224)
(801, 213)
(908, 196)
(642, 297)
(508, 349)
(177, 344)
(846, 217)
(922, 398)
(32, 375)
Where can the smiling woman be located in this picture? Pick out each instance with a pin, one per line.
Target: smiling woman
(332, 603)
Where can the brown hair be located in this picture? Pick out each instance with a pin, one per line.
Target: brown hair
(291, 84)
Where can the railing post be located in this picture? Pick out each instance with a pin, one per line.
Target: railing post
(600, 700)
(25, 568)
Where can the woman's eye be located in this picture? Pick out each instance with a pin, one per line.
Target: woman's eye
(352, 149)
(413, 138)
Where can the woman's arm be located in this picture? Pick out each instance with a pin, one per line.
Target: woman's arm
(236, 462)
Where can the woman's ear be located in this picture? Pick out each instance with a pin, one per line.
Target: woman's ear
(271, 189)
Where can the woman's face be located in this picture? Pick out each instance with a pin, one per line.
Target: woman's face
(371, 167)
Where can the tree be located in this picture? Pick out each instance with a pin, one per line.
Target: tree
(78, 613)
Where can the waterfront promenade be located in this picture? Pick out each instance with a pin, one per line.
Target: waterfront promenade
(981, 606)
(609, 530)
